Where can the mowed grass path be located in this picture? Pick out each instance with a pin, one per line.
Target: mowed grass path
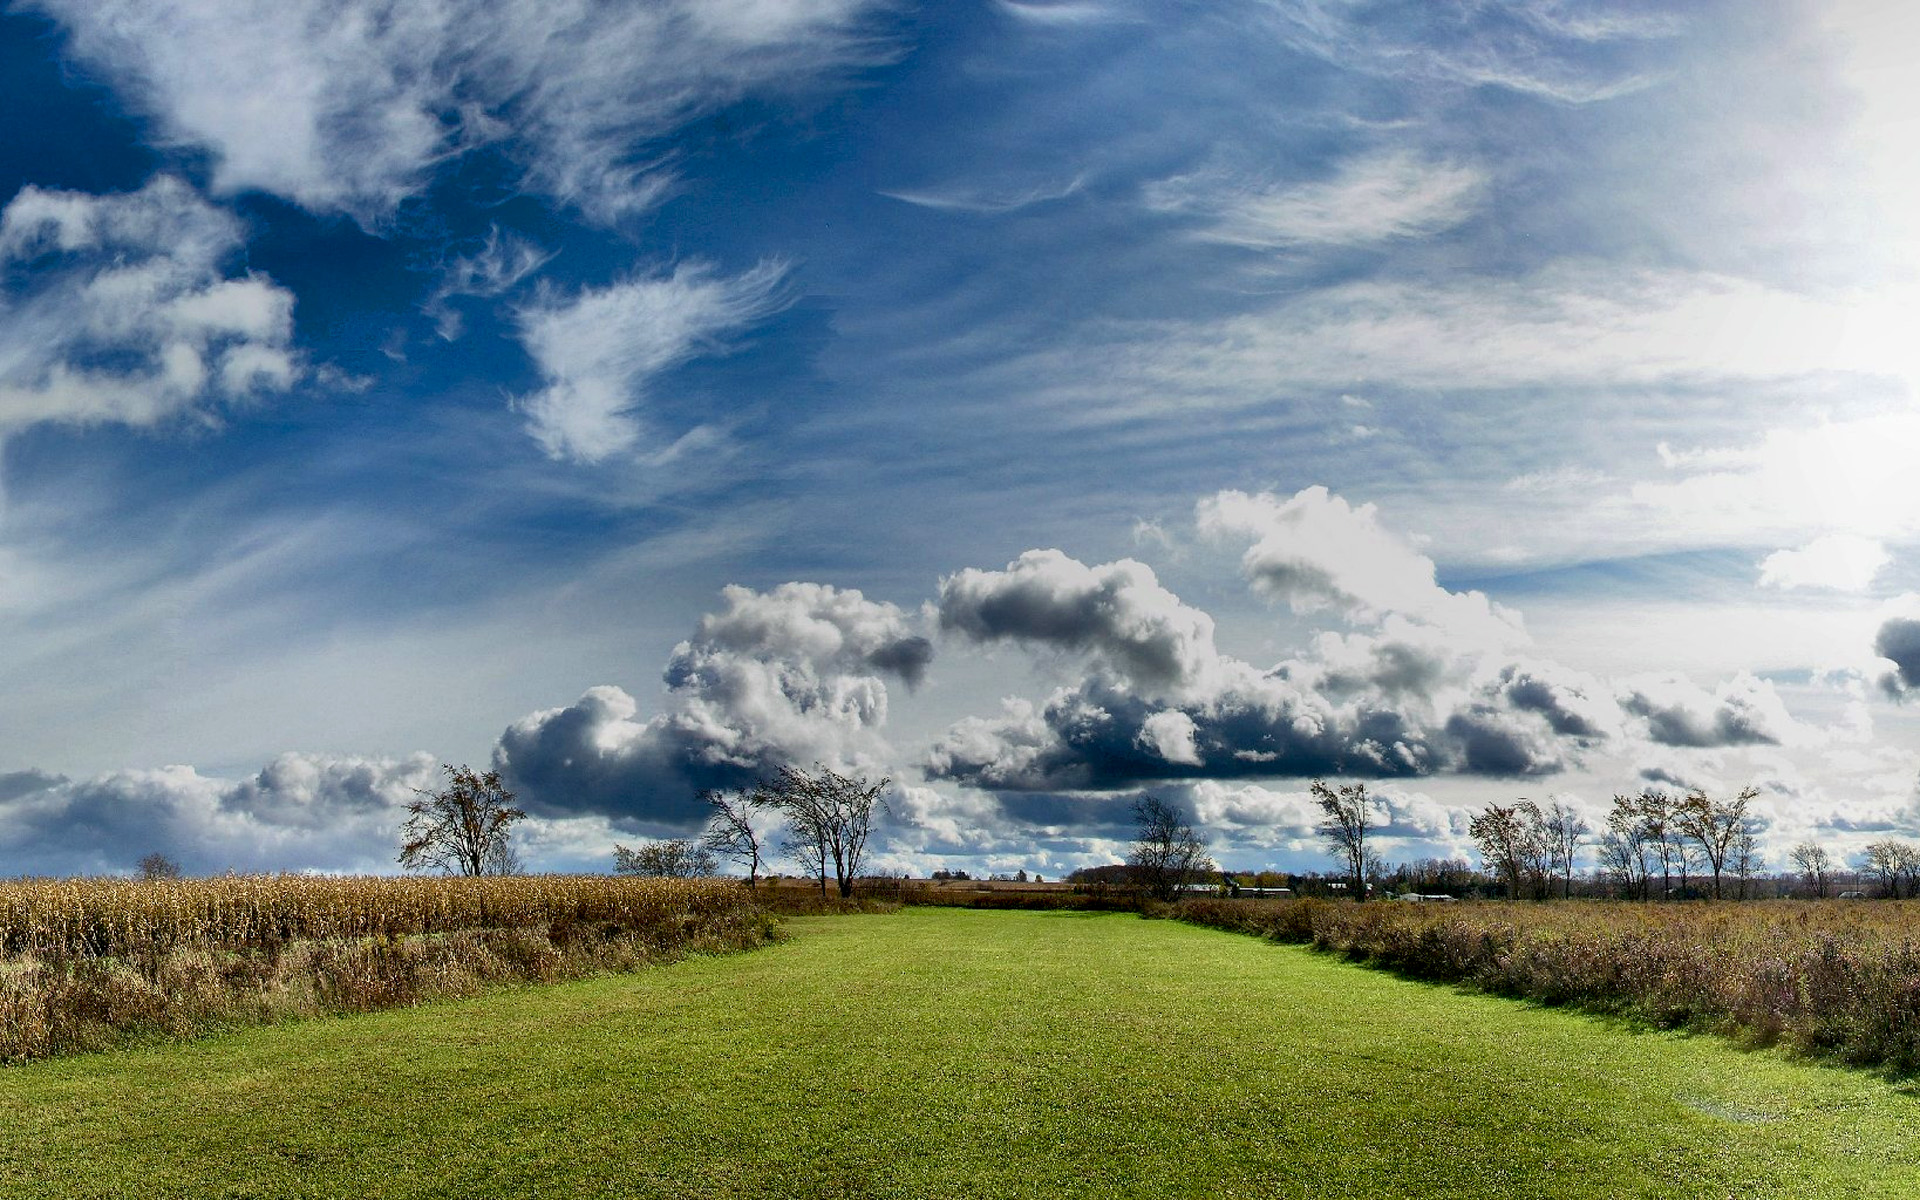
(945, 1053)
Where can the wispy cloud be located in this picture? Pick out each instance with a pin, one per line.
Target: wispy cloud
(350, 106)
(600, 348)
(1536, 48)
(986, 200)
(1575, 325)
(1061, 12)
(1842, 483)
(496, 268)
(1366, 200)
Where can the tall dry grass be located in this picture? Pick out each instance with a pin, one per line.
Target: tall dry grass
(88, 962)
(1838, 979)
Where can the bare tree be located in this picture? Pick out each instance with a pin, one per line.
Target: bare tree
(1624, 865)
(1654, 810)
(1895, 865)
(504, 859)
(1713, 825)
(1746, 855)
(157, 866)
(731, 833)
(1816, 866)
(829, 817)
(804, 847)
(1347, 819)
(1565, 828)
(674, 858)
(463, 828)
(1513, 843)
(1624, 849)
(1166, 851)
(1878, 862)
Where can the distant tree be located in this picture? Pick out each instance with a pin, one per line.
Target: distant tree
(1625, 848)
(504, 859)
(1104, 878)
(1166, 850)
(1654, 808)
(461, 829)
(1878, 862)
(1713, 825)
(1513, 844)
(731, 833)
(158, 866)
(1618, 866)
(808, 849)
(1426, 877)
(1564, 829)
(828, 818)
(674, 858)
(1894, 865)
(1346, 821)
(1816, 866)
(1747, 861)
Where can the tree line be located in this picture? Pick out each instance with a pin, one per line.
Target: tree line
(1654, 845)
(821, 818)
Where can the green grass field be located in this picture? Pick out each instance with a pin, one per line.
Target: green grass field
(939, 1053)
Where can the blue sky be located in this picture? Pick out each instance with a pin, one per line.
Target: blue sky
(1037, 403)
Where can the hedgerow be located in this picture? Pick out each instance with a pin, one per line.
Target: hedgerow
(1836, 979)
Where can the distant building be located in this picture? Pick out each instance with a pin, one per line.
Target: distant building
(1240, 891)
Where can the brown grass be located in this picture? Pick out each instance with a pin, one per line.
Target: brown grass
(89, 962)
(1836, 979)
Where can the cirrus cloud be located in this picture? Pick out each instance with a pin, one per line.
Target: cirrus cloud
(351, 105)
(600, 348)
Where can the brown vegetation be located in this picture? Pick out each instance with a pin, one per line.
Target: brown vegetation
(1833, 978)
(86, 962)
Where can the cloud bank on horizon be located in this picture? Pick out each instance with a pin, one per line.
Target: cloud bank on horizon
(1410, 682)
(1493, 404)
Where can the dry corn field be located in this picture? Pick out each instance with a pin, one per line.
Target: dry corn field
(85, 962)
(1833, 978)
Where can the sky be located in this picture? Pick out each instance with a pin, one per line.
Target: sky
(1039, 404)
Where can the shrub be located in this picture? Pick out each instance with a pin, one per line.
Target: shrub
(1832, 979)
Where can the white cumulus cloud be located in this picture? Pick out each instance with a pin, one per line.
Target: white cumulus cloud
(300, 812)
(1315, 550)
(126, 308)
(1843, 562)
(785, 677)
